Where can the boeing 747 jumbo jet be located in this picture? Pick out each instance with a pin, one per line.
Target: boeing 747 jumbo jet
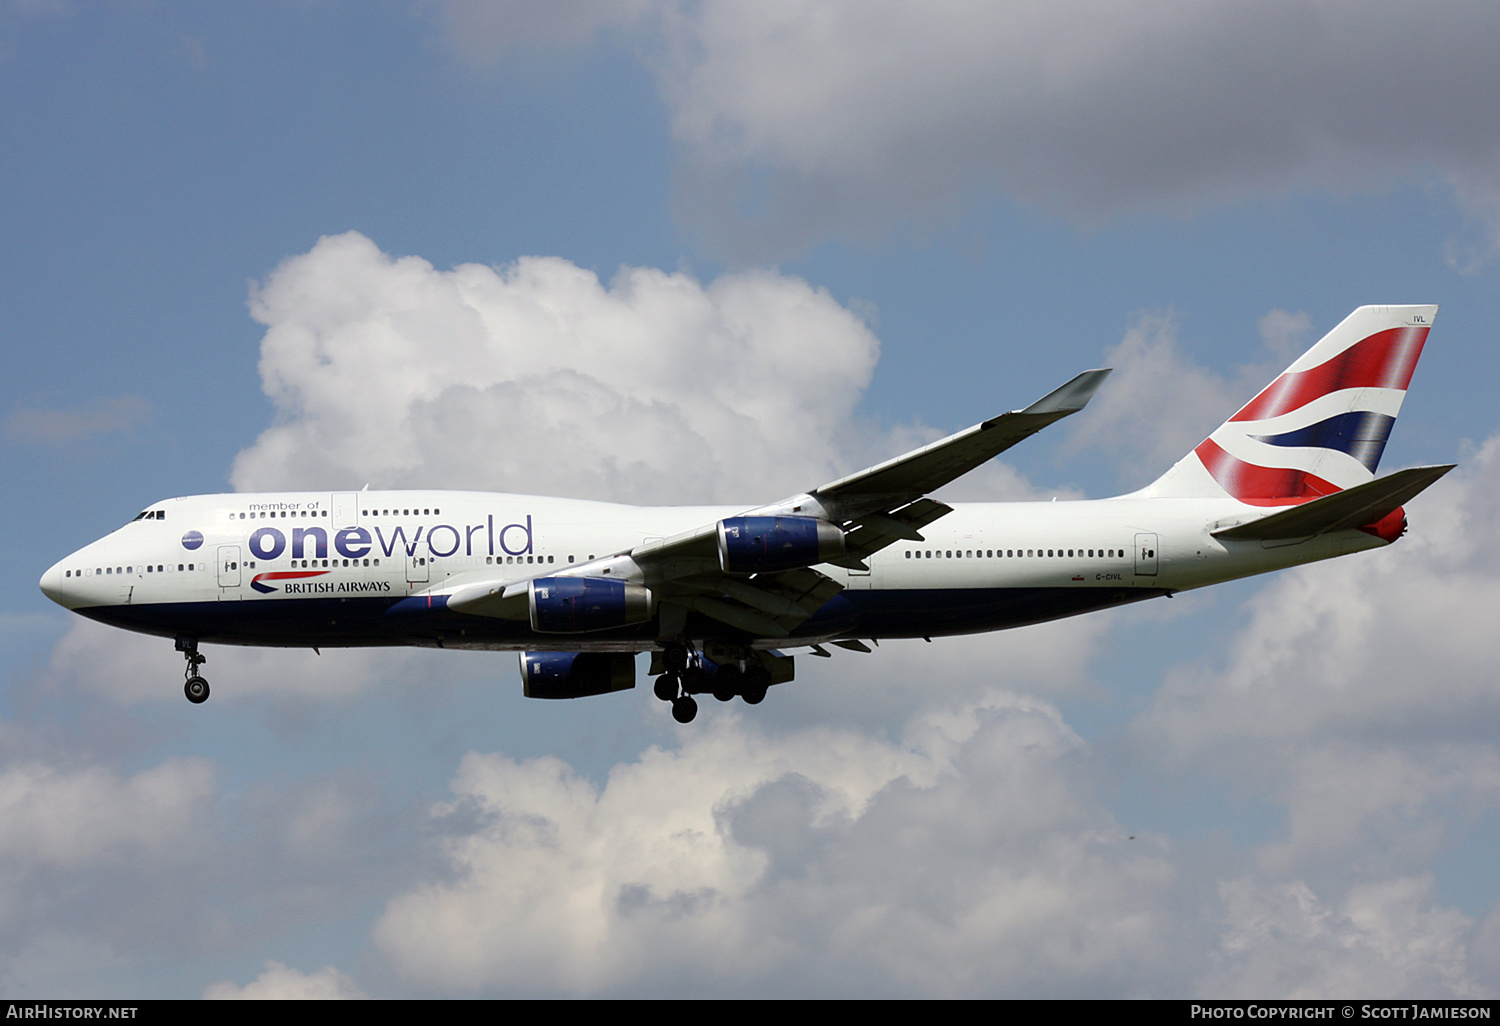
(717, 595)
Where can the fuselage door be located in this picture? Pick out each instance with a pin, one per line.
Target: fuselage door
(418, 569)
(345, 510)
(229, 566)
(1145, 555)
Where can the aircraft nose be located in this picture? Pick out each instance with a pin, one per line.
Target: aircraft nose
(55, 585)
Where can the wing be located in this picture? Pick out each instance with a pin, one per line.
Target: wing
(932, 466)
(873, 508)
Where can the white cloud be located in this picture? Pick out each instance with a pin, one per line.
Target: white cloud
(538, 377)
(1385, 940)
(280, 983)
(92, 861)
(907, 678)
(808, 117)
(973, 856)
(69, 818)
(1390, 645)
(1286, 334)
(1159, 402)
(1358, 696)
(966, 859)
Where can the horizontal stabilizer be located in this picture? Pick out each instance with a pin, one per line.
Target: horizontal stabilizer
(1341, 511)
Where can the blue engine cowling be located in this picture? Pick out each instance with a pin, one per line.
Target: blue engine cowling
(564, 605)
(576, 674)
(757, 545)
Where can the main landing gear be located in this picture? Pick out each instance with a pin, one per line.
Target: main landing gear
(688, 673)
(668, 686)
(196, 687)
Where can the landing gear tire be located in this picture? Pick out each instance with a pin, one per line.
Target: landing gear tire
(196, 690)
(757, 680)
(196, 687)
(727, 683)
(675, 657)
(666, 687)
(684, 709)
(693, 680)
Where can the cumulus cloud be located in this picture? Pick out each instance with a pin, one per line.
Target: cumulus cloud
(1358, 695)
(965, 858)
(92, 863)
(907, 678)
(801, 119)
(971, 855)
(1160, 402)
(539, 377)
(1157, 405)
(68, 818)
(1385, 940)
(106, 874)
(1387, 645)
(281, 983)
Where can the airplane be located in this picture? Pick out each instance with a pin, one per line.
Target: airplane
(717, 595)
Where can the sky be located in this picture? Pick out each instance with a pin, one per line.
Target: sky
(669, 252)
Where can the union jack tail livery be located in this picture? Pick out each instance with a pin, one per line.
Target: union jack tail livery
(1321, 426)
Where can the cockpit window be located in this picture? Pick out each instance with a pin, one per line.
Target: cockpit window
(150, 514)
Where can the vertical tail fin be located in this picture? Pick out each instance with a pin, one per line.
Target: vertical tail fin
(1318, 428)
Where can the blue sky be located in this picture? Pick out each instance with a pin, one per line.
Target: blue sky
(840, 224)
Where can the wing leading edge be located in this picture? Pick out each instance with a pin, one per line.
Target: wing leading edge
(922, 470)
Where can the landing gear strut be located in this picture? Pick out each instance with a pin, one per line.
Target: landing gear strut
(675, 655)
(196, 687)
(676, 685)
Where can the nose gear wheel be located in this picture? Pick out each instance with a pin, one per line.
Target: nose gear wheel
(196, 686)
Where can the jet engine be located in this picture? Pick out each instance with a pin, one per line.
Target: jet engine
(576, 674)
(563, 605)
(756, 545)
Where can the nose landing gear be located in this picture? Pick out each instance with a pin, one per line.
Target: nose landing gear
(196, 687)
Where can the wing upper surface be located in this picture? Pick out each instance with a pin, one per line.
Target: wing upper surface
(932, 466)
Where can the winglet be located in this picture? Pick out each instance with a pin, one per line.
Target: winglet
(1073, 396)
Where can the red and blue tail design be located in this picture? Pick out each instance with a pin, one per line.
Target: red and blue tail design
(1318, 428)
